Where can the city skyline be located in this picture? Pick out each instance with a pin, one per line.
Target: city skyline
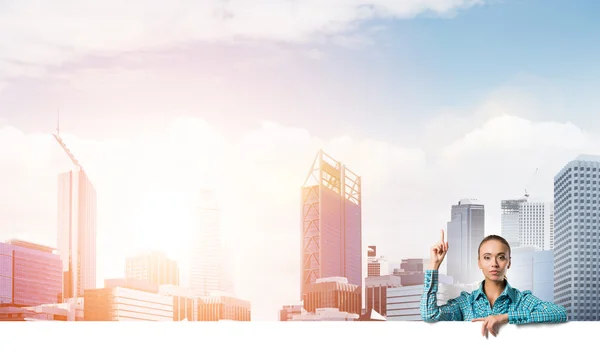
(431, 102)
(498, 205)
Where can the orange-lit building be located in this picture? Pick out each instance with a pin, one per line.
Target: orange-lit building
(127, 299)
(376, 288)
(287, 312)
(30, 274)
(222, 307)
(331, 225)
(334, 292)
(183, 301)
(153, 266)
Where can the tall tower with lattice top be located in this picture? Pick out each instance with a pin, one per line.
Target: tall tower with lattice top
(331, 223)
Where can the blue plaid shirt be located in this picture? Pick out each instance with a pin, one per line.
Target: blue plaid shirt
(522, 306)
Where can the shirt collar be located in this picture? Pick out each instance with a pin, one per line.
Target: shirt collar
(508, 291)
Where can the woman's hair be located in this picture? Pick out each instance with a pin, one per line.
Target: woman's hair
(494, 237)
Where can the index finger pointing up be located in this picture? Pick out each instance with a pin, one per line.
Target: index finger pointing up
(444, 243)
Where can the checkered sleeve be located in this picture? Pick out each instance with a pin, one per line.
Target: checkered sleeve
(531, 309)
(430, 311)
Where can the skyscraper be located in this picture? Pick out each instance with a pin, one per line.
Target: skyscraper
(466, 229)
(153, 266)
(77, 232)
(331, 223)
(376, 266)
(30, 274)
(76, 227)
(576, 246)
(536, 225)
(209, 270)
(509, 220)
(533, 269)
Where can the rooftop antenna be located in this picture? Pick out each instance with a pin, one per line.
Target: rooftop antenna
(63, 145)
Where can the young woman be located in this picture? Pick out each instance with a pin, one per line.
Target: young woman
(495, 302)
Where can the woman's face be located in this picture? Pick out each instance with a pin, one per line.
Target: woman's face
(494, 260)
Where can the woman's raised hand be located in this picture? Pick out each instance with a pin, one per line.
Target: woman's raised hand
(438, 252)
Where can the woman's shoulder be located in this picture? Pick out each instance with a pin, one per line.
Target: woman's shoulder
(518, 296)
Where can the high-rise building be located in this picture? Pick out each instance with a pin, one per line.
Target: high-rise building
(209, 270)
(30, 274)
(509, 220)
(576, 246)
(466, 229)
(287, 312)
(376, 266)
(536, 225)
(410, 266)
(76, 228)
(127, 300)
(333, 292)
(223, 307)
(220, 306)
(376, 288)
(184, 303)
(331, 224)
(532, 269)
(153, 266)
(403, 302)
(398, 292)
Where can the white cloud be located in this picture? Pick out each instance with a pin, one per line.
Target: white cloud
(531, 97)
(315, 54)
(505, 150)
(43, 34)
(19, 69)
(510, 133)
(498, 160)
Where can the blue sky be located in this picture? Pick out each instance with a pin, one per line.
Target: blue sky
(531, 45)
(409, 71)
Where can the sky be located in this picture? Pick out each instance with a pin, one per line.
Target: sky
(429, 101)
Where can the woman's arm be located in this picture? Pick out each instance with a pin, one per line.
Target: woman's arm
(430, 311)
(533, 310)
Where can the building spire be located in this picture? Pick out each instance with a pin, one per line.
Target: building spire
(58, 122)
(63, 145)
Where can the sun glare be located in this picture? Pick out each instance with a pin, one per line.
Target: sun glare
(163, 221)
